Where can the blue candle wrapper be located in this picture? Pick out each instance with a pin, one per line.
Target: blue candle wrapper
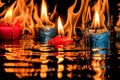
(101, 41)
(46, 34)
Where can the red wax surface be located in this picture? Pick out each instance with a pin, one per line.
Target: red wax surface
(9, 31)
(58, 41)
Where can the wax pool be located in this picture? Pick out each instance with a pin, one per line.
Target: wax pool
(8, 32)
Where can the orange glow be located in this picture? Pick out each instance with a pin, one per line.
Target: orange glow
(118, 22)
(97, 19)
(98, 66)
(44, 16)
(1, 4)
(60, 27)
(9, 14)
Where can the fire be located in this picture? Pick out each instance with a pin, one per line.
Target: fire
(101, 16)
(60, 27)
(98, 65)
(1, 4)
(44, 16)
(9, 14)
(30, 18)
(118, 22)
(97, 19)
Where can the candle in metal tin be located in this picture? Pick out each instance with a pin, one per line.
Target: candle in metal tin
(46, 33)
(99, 34)
(101, 41)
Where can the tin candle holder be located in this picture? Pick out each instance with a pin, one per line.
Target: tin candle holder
(100, 41)
(46, 34)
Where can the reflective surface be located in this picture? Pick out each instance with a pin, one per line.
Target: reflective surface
(29, 60)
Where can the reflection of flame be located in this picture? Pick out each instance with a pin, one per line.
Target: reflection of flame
(98, 66)
(60, 27)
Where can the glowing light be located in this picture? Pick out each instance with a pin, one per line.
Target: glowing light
(60, 27)
(44, 16)
(97, 19)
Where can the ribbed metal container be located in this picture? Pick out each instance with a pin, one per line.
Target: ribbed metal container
(46, 34)
(101, 41)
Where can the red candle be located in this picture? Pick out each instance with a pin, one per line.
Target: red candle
(8, 32)
(60, 40)
(9, 29)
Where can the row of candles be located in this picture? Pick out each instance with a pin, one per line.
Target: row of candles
(10, 29)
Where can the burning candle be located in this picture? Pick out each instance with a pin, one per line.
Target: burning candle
(8, 32)
(60, 40)
(9, 29)
(99, 37)
(47, 29)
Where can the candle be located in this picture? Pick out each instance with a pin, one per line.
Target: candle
(60, 40)
(8, 32)
(46, 34)
(8, 28)
(47, 28)
(99, 37)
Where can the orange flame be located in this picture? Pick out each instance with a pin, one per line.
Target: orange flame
(100, 9)
(118, 22)
(27, 14)
(97, 19)
(60, 27)
(1, 4)
(44, 16)
(9, 14)
(73, 18)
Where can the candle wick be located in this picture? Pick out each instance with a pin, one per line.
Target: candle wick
(44, 23)
(95, 30)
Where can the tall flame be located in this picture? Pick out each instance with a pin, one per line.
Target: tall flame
(72, 18)
(9, 14)
(97, 19)
(26, 12)
(44, 16)
(60, 27)
(101, 11)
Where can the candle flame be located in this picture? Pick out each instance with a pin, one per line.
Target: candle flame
(9, 14)
(44, 16)
(60, 27)
(97, 19)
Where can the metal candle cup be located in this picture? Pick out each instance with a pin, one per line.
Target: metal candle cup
(101, 41)
(46, 34)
